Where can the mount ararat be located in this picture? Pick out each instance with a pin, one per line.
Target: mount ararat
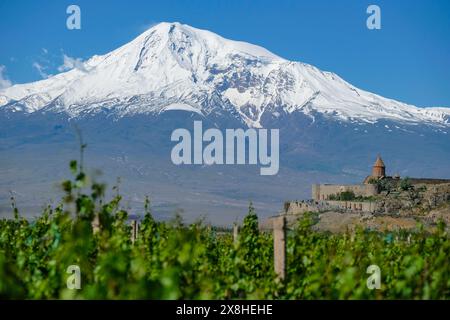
(127, 103)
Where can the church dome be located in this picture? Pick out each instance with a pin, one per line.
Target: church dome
(379, 169)
(379, 163)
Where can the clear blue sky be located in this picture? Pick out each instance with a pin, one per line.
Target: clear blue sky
(408, 59)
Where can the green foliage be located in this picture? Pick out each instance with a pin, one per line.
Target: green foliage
(171, 260)
(405, 184)
(413, 266)
(386, 185)
(343, 196)
(349, 196)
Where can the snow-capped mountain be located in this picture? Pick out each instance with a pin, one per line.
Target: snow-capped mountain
(174, 66)
(128, 102)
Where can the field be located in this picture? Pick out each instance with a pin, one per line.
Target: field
(172, 260)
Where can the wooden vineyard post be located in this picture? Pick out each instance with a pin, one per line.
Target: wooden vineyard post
(279, 246)
(95, 224)
(235, 233)
(134, 230)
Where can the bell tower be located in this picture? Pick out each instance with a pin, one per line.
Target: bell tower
(379, 169)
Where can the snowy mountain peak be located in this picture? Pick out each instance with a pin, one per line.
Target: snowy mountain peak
(176, 64)
(182, 39)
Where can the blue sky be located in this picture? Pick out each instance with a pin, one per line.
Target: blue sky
(408, 59)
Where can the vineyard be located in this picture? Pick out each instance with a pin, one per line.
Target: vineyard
(172, 260)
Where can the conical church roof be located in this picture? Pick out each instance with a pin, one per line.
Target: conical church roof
(379, 162)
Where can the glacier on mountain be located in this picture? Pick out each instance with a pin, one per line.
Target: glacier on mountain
(175, 64)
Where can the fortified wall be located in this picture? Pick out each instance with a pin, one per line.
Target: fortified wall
(361, 206)
(324, 191)
(299, 207)
(295, 207)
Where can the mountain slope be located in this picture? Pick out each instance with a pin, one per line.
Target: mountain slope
(128, 102)
(174, 64)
